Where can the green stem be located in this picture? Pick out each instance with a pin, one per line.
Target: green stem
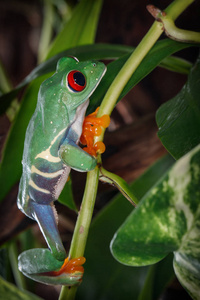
(177, 7)
(68, 293)
(118, 84)
(167, 18)
(85, 215)
(82, 226)
(178, 34)
(128, 69)
(19, 278)
(83, 222)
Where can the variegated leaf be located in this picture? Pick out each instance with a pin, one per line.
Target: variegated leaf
(167, 220)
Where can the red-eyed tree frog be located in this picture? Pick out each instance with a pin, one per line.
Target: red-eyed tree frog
(50, 151)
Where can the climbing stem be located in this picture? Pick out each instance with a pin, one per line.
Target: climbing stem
(82, 226)
(167, 19)
(128, 69)
(178, 34)
(118, 84)
(126, 72)
(177, 7)
(85, 215)
(68, 293)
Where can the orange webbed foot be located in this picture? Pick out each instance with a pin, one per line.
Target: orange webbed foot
(40, 265)
(71, 266)
(92, 126)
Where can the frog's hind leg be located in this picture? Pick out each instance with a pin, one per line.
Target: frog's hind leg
(46, 217)
(50, 266)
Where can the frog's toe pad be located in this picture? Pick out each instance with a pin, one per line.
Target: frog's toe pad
(40, 265)
(92, 126)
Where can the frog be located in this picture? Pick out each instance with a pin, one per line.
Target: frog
(51, 150)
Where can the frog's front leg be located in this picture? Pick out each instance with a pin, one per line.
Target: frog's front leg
(75, 157)
(50, 266)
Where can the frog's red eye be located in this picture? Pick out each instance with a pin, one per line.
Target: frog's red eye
(76, 81)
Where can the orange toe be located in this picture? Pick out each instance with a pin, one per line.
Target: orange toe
(92, 126)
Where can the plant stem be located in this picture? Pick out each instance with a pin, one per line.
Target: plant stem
(83, 222)
(167, 18)
(118, 84)
(19, 278)
(68, 293)
(178, 34)
(128, 69)
(82, 226)
(177, 7)
(85, 215)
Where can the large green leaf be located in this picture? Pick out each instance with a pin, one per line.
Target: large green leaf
(84, 52)
(10, 168)
(105, 52)
(105, 277)
(179, 119)
(167, 220)
(155, 56)
(9, 291)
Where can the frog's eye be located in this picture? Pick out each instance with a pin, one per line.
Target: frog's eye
(76, 81)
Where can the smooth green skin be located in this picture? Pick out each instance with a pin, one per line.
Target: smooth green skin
(50, 151)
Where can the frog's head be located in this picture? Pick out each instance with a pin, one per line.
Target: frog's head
(79, 80)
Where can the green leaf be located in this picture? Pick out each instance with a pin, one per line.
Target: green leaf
(9, 291)
(80, 29)
(167, 220)
(176, 64)
(10, 167)
(85, 52)
(179, 119)
(107, 278)
(155, 56)
(99, 52)
(119, 183)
